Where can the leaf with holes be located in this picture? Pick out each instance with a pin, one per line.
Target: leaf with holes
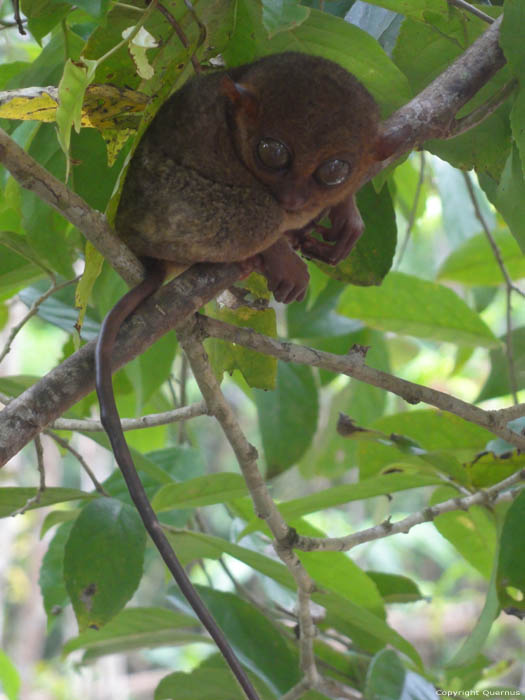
(103, 560)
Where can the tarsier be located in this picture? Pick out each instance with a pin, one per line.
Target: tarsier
(240, 166)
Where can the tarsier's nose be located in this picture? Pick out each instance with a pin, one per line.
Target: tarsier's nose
(292, 198)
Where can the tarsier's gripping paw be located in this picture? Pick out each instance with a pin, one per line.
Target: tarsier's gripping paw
(347, 227)
(287, 275)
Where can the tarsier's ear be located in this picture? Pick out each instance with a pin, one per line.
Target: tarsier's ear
(242, 99)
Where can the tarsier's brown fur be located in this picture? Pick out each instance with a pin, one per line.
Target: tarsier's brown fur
(196, 191)
(203, 186)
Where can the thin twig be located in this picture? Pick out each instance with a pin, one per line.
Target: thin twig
(463, 5)
(42, 473)
(413, 210)
(182, 436)
(18, 19)
(509, 286)
(246, 454)
(151, 420)
(94, 225)
(85, 466)
(33, 309)
(487, 497)
(353, 365)
(182, 36)
(478, 115)
(6, 24)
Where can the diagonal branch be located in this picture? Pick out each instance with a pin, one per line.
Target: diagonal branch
(47, 399)
(421, 119)
(190, 338)
(353, 365)
(94, 225)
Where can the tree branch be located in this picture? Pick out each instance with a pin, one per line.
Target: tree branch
(189, 335)
(94, 225)
(487, 497)
(432, 113)
(353, 365)
(45, 401)
(425, 116)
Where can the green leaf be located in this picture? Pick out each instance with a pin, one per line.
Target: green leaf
(92, 267)
(155, 366)
(259, 370)
(9, 677)
(287, 417)
(43, 15)
(48, 66)
(282, 15)
(474, 643)
(502, 460)
(412, 306)
(51, 578)
(445, 441)
(409, 191)
(473, 263)
(343, 612)
(14, 497)
(511, 564)
(387, 679)
(203, 684)
(517, 119)
(16, 254)
(509, 195)
(511, 36)
(345, 493)
(437, 42)
(45, 228)
(59, 310)
(372, 257)
(103, 560)
(337, 572)
(395, 588)
(202, 491)
(323, 35)
(471, 532)
(97, 8)
(71, 88)
(88, 154)
(136, 628)
(436, 430)
(192, 545)
(414, 8)
(497, 383)
(257, 642)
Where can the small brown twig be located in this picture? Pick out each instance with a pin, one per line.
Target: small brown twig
(190, 339)
(493, 495)
(42, 473)
(85, 466)
(509, 286)
(463, 5)
(413, 210)
(353, 365)
(33, 309)
(151, 420)
(182, 36)
(18, 19)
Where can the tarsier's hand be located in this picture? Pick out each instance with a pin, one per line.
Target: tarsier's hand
(286, 273)
(347, 227)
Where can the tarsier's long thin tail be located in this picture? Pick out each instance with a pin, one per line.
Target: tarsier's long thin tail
(111, 422)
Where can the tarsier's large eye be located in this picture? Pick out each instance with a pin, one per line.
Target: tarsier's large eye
(333, 172)
(273, 154)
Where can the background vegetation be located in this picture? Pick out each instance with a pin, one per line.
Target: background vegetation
(407, 612)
